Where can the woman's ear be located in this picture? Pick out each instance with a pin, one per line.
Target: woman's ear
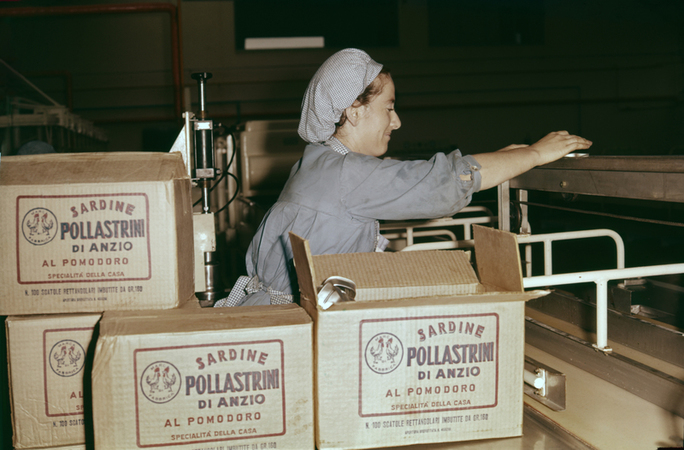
(353, 114)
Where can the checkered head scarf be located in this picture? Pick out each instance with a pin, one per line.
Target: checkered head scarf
(334, 88)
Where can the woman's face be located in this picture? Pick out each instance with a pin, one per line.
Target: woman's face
(376, 121)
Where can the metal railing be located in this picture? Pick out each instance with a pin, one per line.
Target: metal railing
(599, 277)
(439, 226)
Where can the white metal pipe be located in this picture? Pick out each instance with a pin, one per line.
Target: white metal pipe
(528, 260)
(449, 234)
(410, 233)
(443, 245)
(409, 236)
(610, 274)
(601, 278)
(548, 258)
(548, 238)
(504, 206)
(469, 209)
(437, 223)
(602, 314)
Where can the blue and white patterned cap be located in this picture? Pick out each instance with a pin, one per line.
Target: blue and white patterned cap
(333, 88)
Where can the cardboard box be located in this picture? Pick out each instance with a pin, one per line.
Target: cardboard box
(204, 378)
(49, 357)
(93, 232)
(408, 370)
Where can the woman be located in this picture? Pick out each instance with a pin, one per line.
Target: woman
(340, 188)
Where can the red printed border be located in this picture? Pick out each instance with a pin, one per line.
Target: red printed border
(137, 412)
(46, 364)
(147, 221)
(361, 351)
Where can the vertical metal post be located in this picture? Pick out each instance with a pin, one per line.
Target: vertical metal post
(602, 315)
(504, 206)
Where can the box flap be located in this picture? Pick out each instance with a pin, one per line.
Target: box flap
(498, 259)
(383, 276)
(304, 266)
(206, 319)
(110, 167)
(488, 297)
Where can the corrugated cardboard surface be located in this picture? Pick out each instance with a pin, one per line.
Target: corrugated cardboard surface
(418, 370)
(48, 359)
(206, 378)
(93, 232)
(498, 259)
(386, 276)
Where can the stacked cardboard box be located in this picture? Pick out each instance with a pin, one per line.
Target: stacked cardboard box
(84, 233)
(204, 378)
(50, 356)
(404, 370)
(94, 232)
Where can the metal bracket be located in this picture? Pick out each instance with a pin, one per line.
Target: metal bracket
(544, 384)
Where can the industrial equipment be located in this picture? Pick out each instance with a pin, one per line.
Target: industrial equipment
(196, 143)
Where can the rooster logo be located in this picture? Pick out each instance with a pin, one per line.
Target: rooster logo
(38, 226)
(384, 353)
(160, 382)
(67, 358)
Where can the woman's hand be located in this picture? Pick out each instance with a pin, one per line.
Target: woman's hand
(511, 161)
(557, 144)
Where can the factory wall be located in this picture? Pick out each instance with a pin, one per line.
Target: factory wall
(610, 71)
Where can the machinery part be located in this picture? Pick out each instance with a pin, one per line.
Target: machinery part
(544, 384)
(641, 380)
(215, 289)
(204, 174)
(204, 143)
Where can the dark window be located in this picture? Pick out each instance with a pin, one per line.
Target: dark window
(342, 23)
(485, 22)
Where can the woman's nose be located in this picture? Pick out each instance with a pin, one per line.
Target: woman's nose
(396, 122)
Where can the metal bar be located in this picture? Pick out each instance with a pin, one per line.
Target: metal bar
(548, 238)
(609, 274)
(666, 164)
(660, 179)
(448, 233)
(641, 380)
(504, 205)
(548, 259)
(601, 278)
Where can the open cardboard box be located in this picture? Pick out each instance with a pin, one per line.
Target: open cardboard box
(93, 232)
(427, 353)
